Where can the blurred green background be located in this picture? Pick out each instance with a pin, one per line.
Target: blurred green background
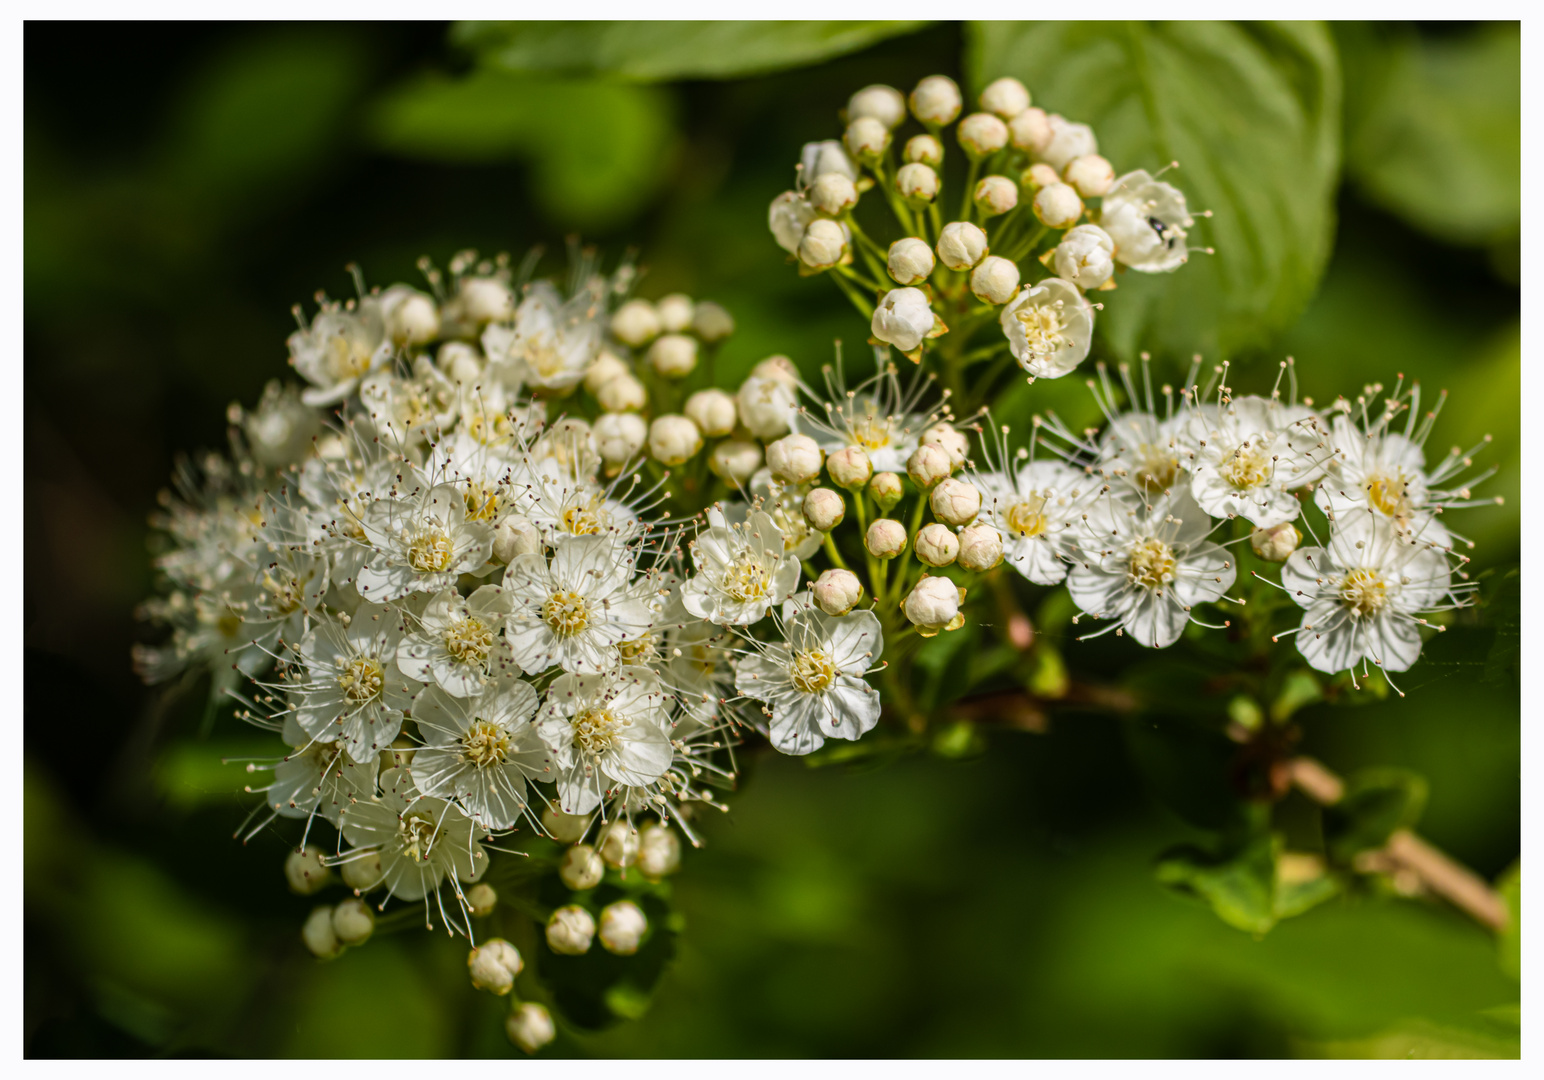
(186, 184)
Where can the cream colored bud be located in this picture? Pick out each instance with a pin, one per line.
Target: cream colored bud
(481, 899)
(955, 502)
(1085, 257)
(794, 459)
(675, 313)
(778, 367)
(564, 828)
(961, 245)
(917, 182)
(904, 318)
(304, 871)
(996, 195)
(884, 103)
(1276, 543)
(622, 926)
(735, 460)
(850, 467)
(937, 100)
(353, 922)
(460, 362)
(412, 317)
(765, 406)
(837, 591)
(981, 548)
(1006, 97)
(952, 439)
(582, 868)
(570, 929)
(362, 872)
(622, 393)
(1068, 140)
(1058, 206)
(928, 465)
(619, 437)
(712, 322)
(619, 845)
(1039, 175)
(515, 536)
(1090, 174)
(866, 138)
(886, 538)
(530, 1027)
(932, 604)
(635, 323)
(673, 439)
(824, 509)
(713, 411)
(605, 367)
(485, 299)
(659, 851)
(982, 134)
(674, 356)
(910, 260)
(936, 545)
(886, 489)
(995, 281)
(493, 966)
(1030, 130)
(822, 245)
(833, 194)
(318, 934)
(923, 150)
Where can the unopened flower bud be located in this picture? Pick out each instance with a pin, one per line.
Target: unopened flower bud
(794, 459)
(904, 318)
(1007, 97)
(515, 536)
(824, 509)
(605, 367)
(622, 926)
(619, 437)
(530, 1027)
(996, 195)
(952, 439)
(1085, 257)
(866, 138)
(713, 411)
(481, 899)
(1030, 130)
(779, 367)
(850, 467)
(484, 299)
(886, 489)
(825, 156)
(955, 502)
(1090, 174)
(570, 929)
(619, 845)
(581, 868)
(765, 406)
(673, 439)
(659, 851)
(923, 150)
(961, 245)
(674, 356)
(883, 103)
(917, 182)
(712, 322)
(622, 393)
(936, 100)
(833, 194)
(932, 604)
(995, 281)
(982, 134)
(929, 464)
(735, 460)
(493, 966)
(837, 591)
(1276, 543)
(936, 545)
(675, 313)
(352, 921)
(886, 538)
(789, 213)
(412, 317)
(981, 548)
(460, 362)
(318, 934)
(822, 244)
(564, 828)
(1039, 175)
(910, 260)
(1058, 206)
(362, 872)
(1068, 141)
(635, 323)
(304, 871)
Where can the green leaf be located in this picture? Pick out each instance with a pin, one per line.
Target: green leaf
(657, 51)
(1252, 114)
(1487, 1036)
(1376, 802)
(1509, 944)
(1241, 888)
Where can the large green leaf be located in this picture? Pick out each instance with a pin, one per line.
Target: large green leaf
(656, 51)
(1252, 114)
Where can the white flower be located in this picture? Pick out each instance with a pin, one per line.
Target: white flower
(574, 611)
(605, 731)
(1145, 452)
(1085, 257)
(812, 682)
(352, 691)
(411, 410)
(421, 840)
(784, 504)
(1148, 570)
(1050, 328)
(903, 319)
(1068, 141)
(1147, 219)
(338, 349)
(1364, 593)
(825, 158)
(317, 777)
(1036, 510)
(788, 216)
(420, 539)
(553, 341)
(1249, 456)
(741, 571)
(481, 751)
(457, 646)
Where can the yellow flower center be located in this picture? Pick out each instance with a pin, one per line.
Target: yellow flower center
(283, 589)
(1157, 467)
(812, 671)
(482, 501)
(587, 520)
(870, 431)
(1248, 467)
(747, 579)
(1027, 518)
(597, 731)
(639, 649)
(485, 744)
(1043, 326)
(415, 834)
(1389, 494)
(347, 357)
(566, 612)
(469, 640)
(1364, 592)
(362, 679)
(428, 549)
(487, 427)
(1152, 564)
